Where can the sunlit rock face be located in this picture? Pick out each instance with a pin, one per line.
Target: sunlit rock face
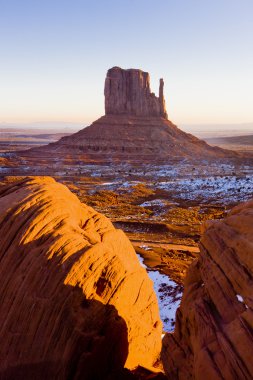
(75, 302)
(128, 92)
(213, 337)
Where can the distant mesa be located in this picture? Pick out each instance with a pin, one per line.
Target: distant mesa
(135, 128)
(127, 92)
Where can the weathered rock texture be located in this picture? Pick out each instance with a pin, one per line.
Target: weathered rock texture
(135, 128)
(122, 138)
(75, 302)
(128, 92)
(213, 338)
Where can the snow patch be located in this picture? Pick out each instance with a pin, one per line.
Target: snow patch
(146, 248)
(240, 299)
(169, 295)
(154, 202)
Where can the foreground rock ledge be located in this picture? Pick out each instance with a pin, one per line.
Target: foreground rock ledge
(213, 338)
(75, 302)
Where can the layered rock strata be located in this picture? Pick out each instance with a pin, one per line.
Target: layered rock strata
(128, 92)
(122, 138)
(213, 339)
(75, 302)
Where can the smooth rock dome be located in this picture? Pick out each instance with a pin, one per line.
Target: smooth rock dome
(75, 302)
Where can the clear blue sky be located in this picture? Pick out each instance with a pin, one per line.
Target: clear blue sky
(55, 54)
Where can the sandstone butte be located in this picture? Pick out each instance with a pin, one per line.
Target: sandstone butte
(135, 128)
(213, 338)
(75, 302)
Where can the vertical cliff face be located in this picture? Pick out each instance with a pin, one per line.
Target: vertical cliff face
(128, 92)
(213, 339)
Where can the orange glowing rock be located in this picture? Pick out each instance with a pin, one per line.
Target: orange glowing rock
(213, 336)
(75, 302)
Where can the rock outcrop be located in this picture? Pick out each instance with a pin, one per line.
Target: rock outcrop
(75, 302)
(128, 92)
(134, 129)
(213, 339)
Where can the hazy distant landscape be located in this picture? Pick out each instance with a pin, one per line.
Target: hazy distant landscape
(20, 138)
(239, 138)
(238, 143)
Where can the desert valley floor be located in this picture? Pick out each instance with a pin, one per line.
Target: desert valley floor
(159, 207)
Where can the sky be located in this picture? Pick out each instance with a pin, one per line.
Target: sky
(54, 55)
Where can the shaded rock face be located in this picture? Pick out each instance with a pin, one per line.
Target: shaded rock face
(128, 92)
(75, 302)
(213, 338)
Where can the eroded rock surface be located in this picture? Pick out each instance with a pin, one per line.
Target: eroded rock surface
(75, 302)
(213, 338)
(128, 92)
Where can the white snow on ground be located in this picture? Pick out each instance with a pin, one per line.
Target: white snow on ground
(145, 247)
(204, 188)
(154, 202)
(167, 304)
(229, 188)
(203, 182)
(119, 185)
(184, 169)
(240, 299)
(165, 290)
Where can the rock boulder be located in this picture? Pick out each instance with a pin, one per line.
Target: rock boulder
(213, 339)
(75, 302)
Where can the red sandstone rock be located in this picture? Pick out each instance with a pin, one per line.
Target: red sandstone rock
(122, 138)
(143, 138)
(213, 339)
(75, 302)
(128, 92)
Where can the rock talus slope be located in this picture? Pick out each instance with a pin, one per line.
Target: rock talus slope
(213, 339)
(75, 302)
